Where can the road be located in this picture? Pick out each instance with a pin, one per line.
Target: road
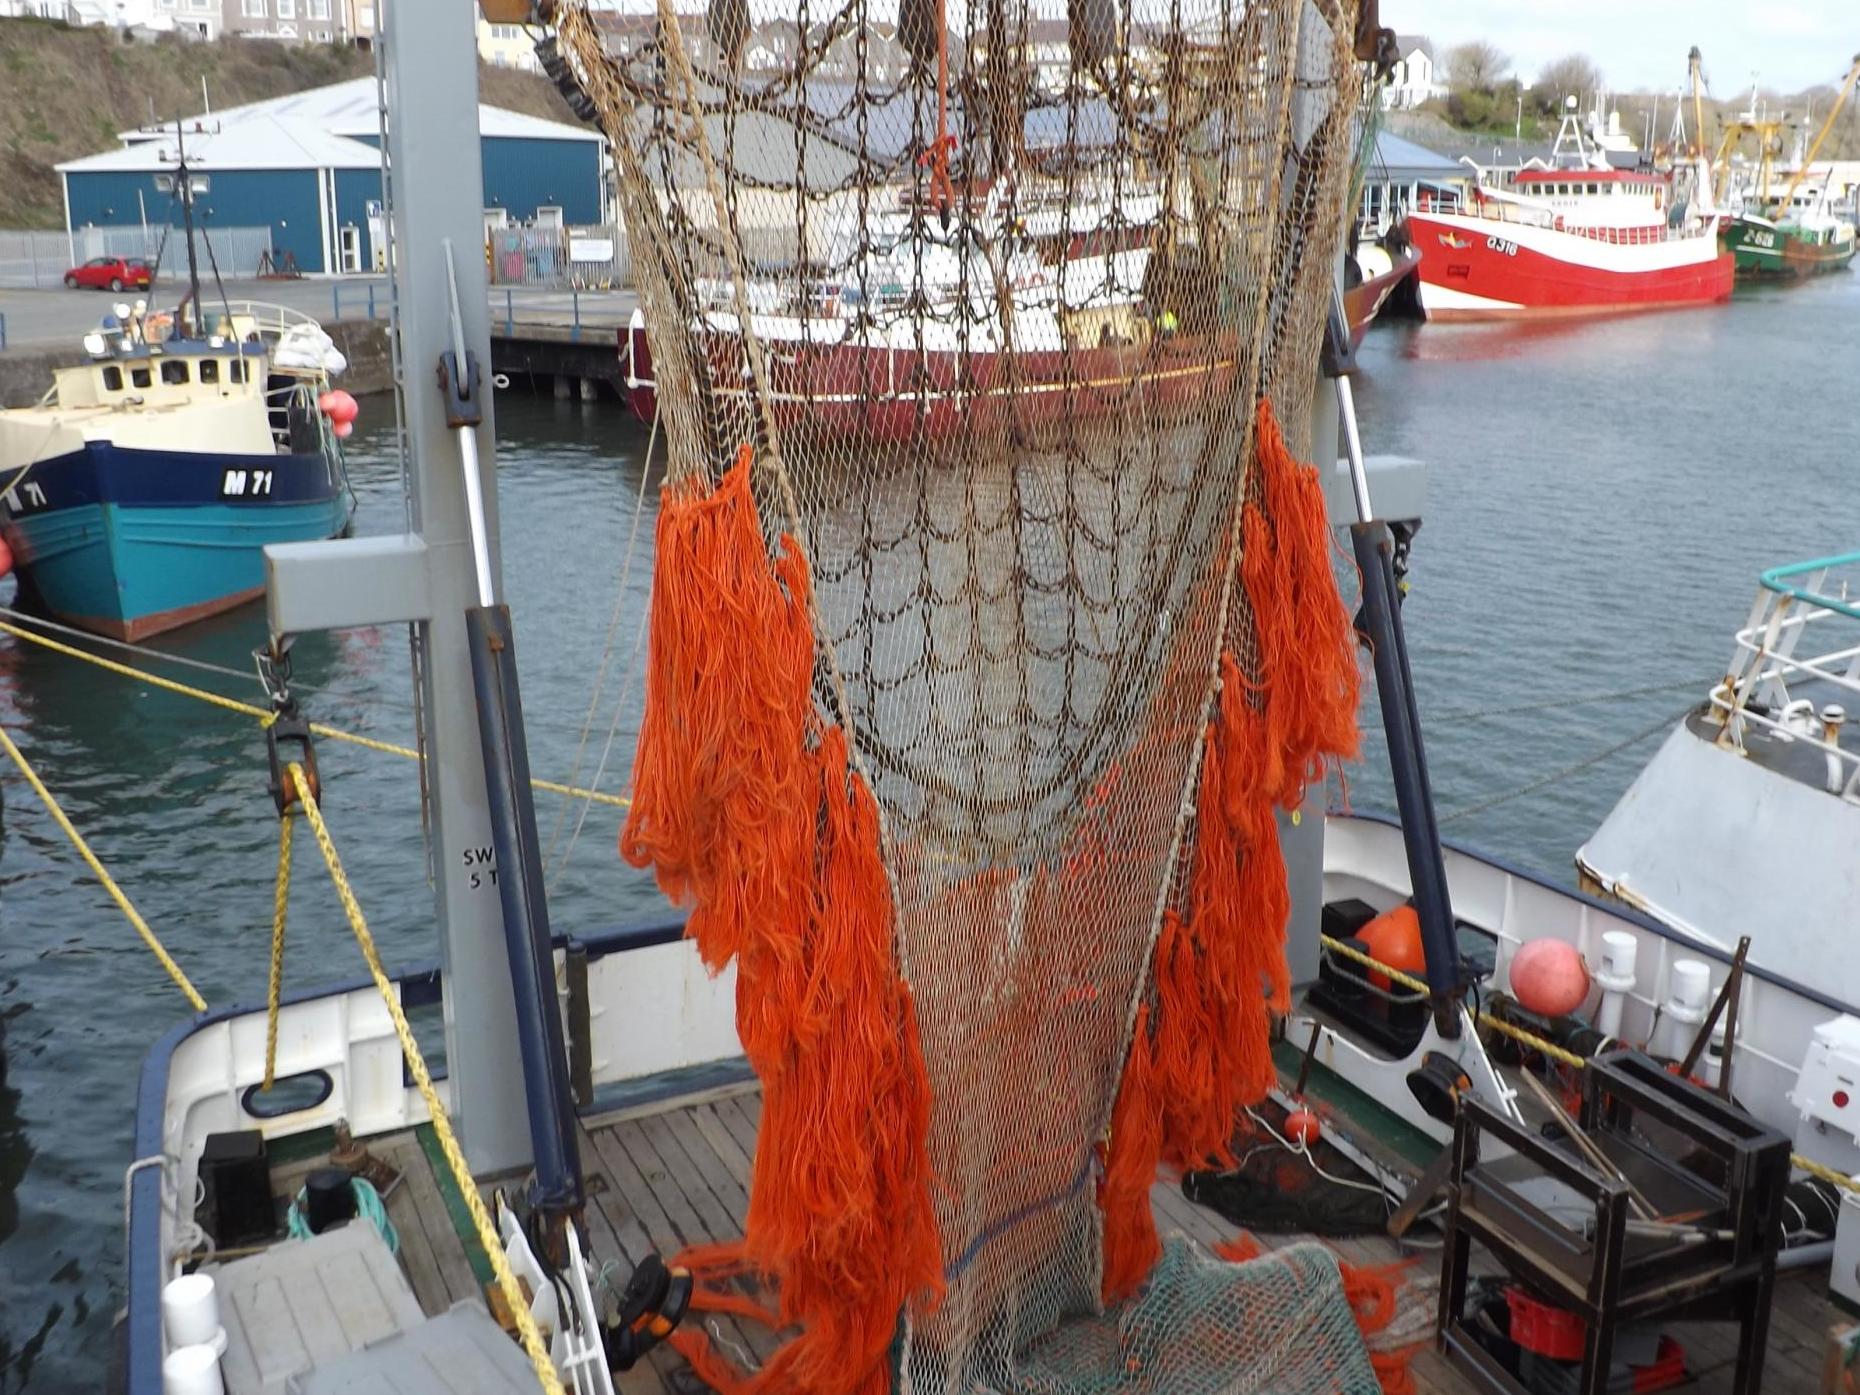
(36, 320)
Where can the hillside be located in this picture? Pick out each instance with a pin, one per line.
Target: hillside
(67, 92)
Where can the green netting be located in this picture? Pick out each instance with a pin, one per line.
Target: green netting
(1276, 1325)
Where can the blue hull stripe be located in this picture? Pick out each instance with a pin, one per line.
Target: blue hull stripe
(142, 557)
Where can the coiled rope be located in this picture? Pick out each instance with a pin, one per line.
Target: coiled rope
(117, 895)
(527, 1330)
(1548, 1048)
(266, 718)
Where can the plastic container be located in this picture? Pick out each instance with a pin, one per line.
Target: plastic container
(190, 1310)
(192, 1370)
(1615, 979)
(1548, 1331)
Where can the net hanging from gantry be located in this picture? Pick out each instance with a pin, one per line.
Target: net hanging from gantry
(992, 618)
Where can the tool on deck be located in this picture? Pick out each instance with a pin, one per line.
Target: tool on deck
(656, 1300)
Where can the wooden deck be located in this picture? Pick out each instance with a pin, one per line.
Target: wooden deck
(676, 1173)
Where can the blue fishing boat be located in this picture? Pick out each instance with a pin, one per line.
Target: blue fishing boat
(140, 493)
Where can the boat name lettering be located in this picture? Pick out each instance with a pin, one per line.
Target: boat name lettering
(35, 497)
(481, 864)
(1758, 237)
(245, 484)
(1502, 244)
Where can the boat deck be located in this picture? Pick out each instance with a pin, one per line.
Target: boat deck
(675, 1172)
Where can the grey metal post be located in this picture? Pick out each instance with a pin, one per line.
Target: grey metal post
(428, 577)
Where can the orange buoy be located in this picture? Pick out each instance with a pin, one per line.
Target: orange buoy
(1549, 977)
(1394, 938)
(1302, 1128)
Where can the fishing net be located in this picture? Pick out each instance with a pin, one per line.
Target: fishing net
(992, 618)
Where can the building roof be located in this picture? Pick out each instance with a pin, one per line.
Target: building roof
(353, 109)
(260, 142)
(1408, 43)
(1403, 161)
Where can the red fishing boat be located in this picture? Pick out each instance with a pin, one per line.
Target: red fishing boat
(1371, 276)
(1570, 238)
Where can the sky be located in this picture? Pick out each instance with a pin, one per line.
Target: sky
(1788, 44)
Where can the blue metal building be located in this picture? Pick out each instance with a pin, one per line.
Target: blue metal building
(308, 166)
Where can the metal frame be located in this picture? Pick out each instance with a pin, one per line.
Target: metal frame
(1730, 1274)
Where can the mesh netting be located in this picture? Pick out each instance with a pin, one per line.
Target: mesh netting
(990, 298)
(1276, 1325)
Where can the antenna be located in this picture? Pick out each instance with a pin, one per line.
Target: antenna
(206, 102)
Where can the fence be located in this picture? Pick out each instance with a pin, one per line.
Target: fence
(588, 259)
(36, 259)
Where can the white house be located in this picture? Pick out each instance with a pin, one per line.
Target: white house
(1415, 78)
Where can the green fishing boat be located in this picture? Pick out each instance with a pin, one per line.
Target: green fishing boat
(1790, 248)
(1801, 236)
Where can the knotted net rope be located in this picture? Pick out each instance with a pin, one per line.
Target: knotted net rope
(992, 618)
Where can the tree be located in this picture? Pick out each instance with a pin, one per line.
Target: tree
(1477, 67)
(1572, 76)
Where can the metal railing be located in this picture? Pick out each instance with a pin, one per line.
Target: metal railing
(37, 259)
(1763, 690)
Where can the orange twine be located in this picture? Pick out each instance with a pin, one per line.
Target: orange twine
(775, 848)
(1130, 1157)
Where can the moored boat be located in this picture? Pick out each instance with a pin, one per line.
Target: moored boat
(1574, 238)
(141, 491)
(1793, 248)
(1372, 276)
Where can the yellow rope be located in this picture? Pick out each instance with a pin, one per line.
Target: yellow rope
(1549, 1048)
(442, 1125)
(281, 899)
(265, 718)
(109, 882)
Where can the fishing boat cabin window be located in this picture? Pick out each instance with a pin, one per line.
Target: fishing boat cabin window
(174, 372)
(209, 370)
(235, 371)
(112, 379)
(140, 377)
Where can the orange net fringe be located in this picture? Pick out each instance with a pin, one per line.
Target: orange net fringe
(747, 810)
(1205, 1053)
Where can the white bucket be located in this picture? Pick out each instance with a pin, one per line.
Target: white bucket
(193, 1370)
(190, 1310)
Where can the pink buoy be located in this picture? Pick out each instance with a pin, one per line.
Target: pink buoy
(342, 429)
(1302, 1128)
(6, 558)
(338, 406)
(1549, 977)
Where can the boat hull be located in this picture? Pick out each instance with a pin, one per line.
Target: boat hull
(130, 543)
(1484, 269)
(889, 395)
(1364, 301)
(1765, 252)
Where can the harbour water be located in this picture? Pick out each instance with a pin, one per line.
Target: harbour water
(1601, 498)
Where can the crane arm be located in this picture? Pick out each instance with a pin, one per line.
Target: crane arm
(1821, 136)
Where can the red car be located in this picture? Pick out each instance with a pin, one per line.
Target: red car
(109, 274)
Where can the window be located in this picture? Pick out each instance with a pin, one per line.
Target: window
(139, 377)
(113, 378)
(174, 372)
(209, 370)
(317, 9)
(252, 9)
(365, 16)
(235, 370)
(287, 9)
